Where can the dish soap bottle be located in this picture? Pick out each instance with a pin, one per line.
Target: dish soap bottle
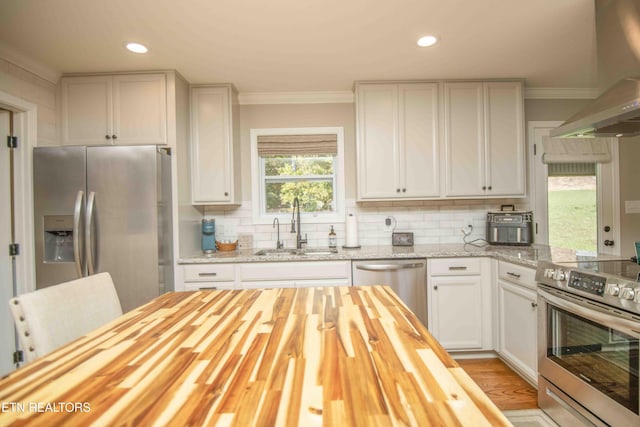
(333, 240)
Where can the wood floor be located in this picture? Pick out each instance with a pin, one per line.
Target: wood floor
(503, 386)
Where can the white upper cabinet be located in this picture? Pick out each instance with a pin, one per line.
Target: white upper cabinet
(114, 109)
(397, 142)
(215, 146)
(483, 139)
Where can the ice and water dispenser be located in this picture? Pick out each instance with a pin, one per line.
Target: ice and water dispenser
(58, 238)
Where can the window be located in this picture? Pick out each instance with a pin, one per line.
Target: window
(303, 162)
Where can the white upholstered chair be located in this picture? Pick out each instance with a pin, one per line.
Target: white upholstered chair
(50, 317)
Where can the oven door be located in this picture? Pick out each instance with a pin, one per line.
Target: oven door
(590, 353)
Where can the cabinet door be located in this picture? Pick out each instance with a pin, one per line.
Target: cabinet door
(140, 109)
(377, 146)
(504, 139)
(85, 106)
(211, 146)
(464, 139)
(418, 136)
(456, 315)
(517, 342)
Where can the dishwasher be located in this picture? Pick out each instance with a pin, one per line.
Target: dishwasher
(407, 278)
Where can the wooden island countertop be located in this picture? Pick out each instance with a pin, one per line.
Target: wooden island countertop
(334, 356)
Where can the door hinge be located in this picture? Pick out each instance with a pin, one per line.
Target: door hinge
(12, 141)
(18, 357)
(536, 228)
(14, 249)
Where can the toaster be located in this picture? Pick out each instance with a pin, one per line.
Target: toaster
(510, 227)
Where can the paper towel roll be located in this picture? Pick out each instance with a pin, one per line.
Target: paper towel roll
(351, 232)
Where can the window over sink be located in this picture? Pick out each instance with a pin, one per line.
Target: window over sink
(306, 163)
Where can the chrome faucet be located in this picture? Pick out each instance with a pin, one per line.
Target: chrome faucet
(279, 243)
(295, 219)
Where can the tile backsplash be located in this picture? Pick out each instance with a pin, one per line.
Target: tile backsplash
(438, 221)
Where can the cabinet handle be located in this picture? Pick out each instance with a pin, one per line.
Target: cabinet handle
(489, 188)
(397, 190)
(516, 275)
(107, 136)
(226, 193)
(114, 136)
(454, 268)
(213, 288)
(404, 190)
(534, 305)
(207, 274)
(435, 287)
(484, 187)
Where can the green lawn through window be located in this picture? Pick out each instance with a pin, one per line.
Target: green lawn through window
(573, 219)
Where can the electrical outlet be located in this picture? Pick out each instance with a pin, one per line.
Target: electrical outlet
(388, 222)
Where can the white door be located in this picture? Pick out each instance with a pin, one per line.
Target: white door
(456, 318)
(86, 107)
(6, 269)
(140, 109)
(464, 139)
(418, 135)
(604, 216)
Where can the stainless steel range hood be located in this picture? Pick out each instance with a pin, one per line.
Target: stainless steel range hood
(616, 112)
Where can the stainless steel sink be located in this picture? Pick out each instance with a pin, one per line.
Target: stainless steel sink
(301, 252)
(317, 251)
(264, 252)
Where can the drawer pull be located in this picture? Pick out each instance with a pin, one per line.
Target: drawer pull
(534, 305)
(516, 275)
(207, 274)
(457, 268)
(212, 288)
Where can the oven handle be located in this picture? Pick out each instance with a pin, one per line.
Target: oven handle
(618, 323)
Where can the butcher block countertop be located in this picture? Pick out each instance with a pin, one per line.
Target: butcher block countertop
(334, 356)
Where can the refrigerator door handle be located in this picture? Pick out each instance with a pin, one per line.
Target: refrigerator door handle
(76, 232)
(91, 203)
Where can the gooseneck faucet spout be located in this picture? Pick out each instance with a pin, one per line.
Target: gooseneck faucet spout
(279, 243)
(296, 220)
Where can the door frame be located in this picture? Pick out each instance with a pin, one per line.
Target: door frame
(26, 129)
(608, 189)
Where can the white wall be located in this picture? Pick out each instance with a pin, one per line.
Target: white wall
(24, 84)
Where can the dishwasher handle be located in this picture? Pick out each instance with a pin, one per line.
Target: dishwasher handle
(389, 267)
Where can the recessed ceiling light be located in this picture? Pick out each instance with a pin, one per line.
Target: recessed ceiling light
(136, 48)
(427, 41)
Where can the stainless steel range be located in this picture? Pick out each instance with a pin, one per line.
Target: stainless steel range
(588, 334)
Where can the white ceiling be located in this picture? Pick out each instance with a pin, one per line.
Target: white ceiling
(309, 45)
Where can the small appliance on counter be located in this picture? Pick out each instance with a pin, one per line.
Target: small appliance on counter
(510, 227)
(208, 235)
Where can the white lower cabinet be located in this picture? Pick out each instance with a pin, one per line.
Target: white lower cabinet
(517, 319)
(293, 274)
(459, 299)
(208, 276)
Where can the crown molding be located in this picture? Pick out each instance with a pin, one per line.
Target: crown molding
(334, 97)
(560, 93)
(29, 64)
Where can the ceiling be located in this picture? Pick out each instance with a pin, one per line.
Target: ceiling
(309, 45)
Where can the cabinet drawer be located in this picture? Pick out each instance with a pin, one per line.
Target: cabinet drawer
(294, 270)
(209, 273)
(455, 267)
(202, 286)
(518, 274)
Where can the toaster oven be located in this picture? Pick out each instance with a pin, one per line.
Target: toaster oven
(510, 227)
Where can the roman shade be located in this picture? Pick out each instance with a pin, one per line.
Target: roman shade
(292, 145)
(575, 150)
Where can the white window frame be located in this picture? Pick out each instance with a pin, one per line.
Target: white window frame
(257, 195)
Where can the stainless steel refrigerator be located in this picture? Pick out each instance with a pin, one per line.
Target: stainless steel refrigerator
(104, 208)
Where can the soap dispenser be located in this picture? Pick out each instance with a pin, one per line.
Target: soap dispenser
(333, 240)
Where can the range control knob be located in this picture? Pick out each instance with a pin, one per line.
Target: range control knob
(627, 293)
(559, 275)
(548, 273)
(614, 290)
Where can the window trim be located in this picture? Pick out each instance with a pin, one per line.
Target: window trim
(257, 195)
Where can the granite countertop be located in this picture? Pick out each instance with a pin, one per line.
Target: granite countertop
(524, 255)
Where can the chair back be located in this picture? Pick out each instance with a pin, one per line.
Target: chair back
(51, 317)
